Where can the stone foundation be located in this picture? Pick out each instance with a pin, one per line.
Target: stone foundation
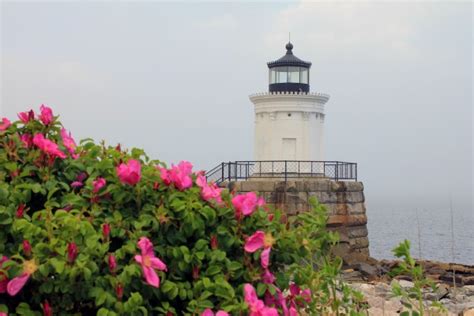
(344, 201)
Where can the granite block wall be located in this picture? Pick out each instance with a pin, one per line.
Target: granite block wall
(344, 201)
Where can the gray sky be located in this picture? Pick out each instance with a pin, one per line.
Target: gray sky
(174, 79)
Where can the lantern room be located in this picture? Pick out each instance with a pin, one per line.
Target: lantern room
(289, 73)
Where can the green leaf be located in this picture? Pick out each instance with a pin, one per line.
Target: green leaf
(167, 286)
(57, 264)
(212, 270)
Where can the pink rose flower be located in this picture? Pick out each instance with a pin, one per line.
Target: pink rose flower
(27, 140)
(149, 262)
(179, 175)
(68, 142)
(209, 312)
(47, 146)
(246, 204)
(98, 184)
(77, 184)
(16, 284)
(268, 277)
(209, 191)
(129, 173)
(46, 115)
(5, 123)
(257, 241)
(256, 306)
(25, 117)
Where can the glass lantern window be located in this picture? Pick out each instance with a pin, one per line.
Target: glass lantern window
(294, 74)
(281, 74)
(304, 75)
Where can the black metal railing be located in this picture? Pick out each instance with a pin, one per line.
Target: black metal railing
(282, 169)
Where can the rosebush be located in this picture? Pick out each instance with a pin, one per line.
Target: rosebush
(95, 229)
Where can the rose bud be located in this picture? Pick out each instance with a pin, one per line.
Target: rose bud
(20, 210)
(119, 291)
(214, 243)
(112, 263)
(195, 272)
(106, 231)
(26, 248)
(47, 310)
(71, 252)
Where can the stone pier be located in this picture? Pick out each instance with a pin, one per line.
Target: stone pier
(344, 201)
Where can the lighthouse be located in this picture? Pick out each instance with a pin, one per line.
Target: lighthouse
(289, 168)
(289, 131)
(289, 118)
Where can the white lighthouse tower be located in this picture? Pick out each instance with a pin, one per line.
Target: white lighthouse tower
(289, 119)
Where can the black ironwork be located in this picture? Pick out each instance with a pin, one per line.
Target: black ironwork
(289, 87)
(289, 59)
(282, 169)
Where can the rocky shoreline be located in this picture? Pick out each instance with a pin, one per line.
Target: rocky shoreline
(455, 285)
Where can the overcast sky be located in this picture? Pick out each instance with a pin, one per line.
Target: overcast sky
(174, 79)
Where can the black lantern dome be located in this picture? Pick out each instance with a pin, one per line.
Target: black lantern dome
(289, 73)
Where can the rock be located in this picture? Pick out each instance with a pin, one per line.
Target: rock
(468, 280)
(367, 270)
(440, 293)
(375, 301)
(405, 284)
(382, 289)
(394, 304)
(448, 278)
(469, 290)
(468, 312)
(352, 276)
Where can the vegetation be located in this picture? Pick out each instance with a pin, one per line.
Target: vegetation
(412, 298)
(95, 229)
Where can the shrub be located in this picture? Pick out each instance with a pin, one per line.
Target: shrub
(95, 229)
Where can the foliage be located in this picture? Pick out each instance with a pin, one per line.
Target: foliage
(76, 221)
(412, 298)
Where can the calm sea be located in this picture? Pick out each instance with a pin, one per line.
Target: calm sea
(428, 230)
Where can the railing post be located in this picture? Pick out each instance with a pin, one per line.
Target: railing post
(228, 172)
(356, 172)
(337, 171)
(222, 172)
(286, 171)
(235, 172)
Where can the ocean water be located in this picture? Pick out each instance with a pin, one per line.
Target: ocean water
(429, 231)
